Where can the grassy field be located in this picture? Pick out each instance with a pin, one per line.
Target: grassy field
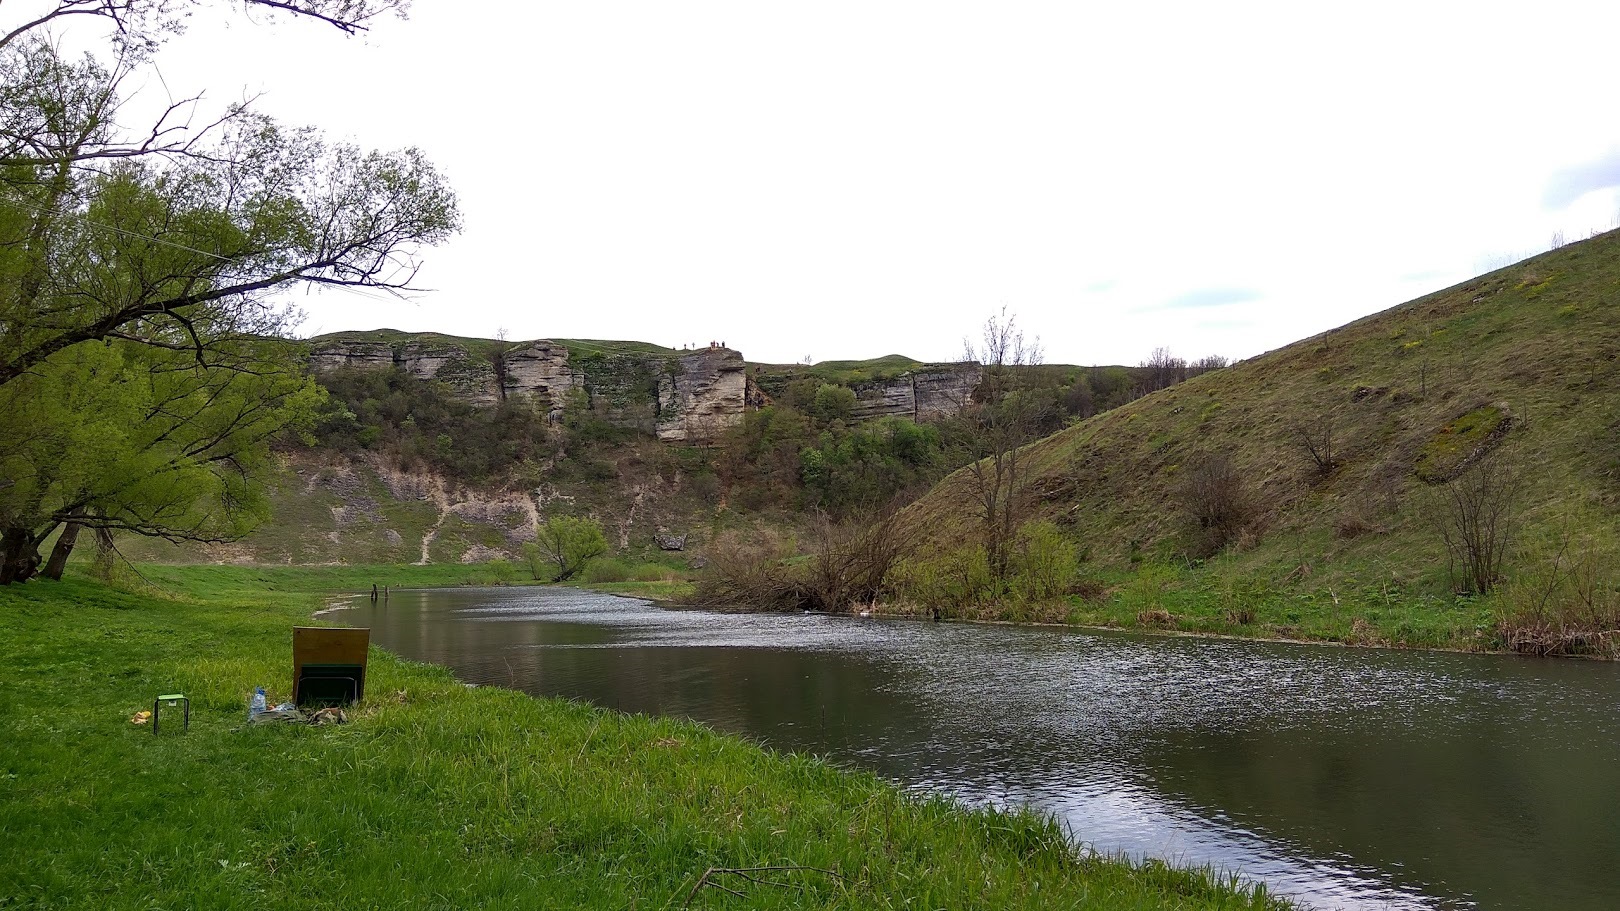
(1516, 365)
(441, 796)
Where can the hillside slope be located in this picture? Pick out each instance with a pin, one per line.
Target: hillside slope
(1525, 356)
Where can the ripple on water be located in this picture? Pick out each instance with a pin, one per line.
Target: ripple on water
(1347, 778)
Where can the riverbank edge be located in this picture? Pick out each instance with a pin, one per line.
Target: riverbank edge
(1078, 613)
(735, 803)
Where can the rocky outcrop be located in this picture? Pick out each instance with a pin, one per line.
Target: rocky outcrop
(683, 397)
(920, 395)
(705, 393)
(337, 355)
(540, 371)
(472, 377)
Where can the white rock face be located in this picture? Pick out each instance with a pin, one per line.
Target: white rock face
(919, 395)
(540, 370)
(690, 397)
(472, 377)
(704, 398)
(338, 355)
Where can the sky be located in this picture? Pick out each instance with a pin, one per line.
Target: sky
(852, 179)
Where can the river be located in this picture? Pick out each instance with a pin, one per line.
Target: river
(1347, 778)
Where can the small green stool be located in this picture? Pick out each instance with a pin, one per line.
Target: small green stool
(172, 699)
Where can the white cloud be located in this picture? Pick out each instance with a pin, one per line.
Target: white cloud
(849, 179)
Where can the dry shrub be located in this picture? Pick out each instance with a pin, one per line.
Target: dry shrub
(1090, 590)
(1565, 603)
(1352, 525)
(1156, 617)
(1216, 498)
(853, 557)
(1364, 633)
(749, 569)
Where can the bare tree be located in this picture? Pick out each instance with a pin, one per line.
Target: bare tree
(1477, 520)
(1003, 417)
(1161, 371)
(1317, 440)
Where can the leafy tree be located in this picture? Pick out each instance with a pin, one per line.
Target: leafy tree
(129, 437)
(871, 465)
(563, 545)
(833, 404)
(204, 222)
(139, 265)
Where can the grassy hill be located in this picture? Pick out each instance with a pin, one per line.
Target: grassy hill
(1523, 362)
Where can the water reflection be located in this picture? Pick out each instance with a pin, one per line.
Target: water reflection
(1351, 778)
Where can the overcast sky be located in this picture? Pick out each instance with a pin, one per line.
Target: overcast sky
(846, 180)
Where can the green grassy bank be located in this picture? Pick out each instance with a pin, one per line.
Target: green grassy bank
(441, 796)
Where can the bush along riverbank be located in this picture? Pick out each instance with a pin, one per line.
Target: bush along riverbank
(1559, 598)
(437, 795)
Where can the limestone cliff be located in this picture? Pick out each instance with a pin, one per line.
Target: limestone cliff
(706, 394)
(539, 370)
(921, 394)
(681, 396)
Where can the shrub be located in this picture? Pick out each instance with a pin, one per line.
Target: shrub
(1044, 565)
(948, 581)
(1217, 500)
(833, 404)
(1351, 525)
(607, 569)
(1242, 598)
(501, 571)
(1476, 519)
(750, 569)
(853, 558)
(563, 545)
(1563, 603)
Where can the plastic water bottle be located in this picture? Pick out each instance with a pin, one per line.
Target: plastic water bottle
(258, 705)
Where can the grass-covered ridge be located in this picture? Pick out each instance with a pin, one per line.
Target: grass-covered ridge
(1520, 361)
(440, 796)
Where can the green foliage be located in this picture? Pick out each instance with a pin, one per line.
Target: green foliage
(833, 404)
(872, 464)
(759, 458)
(1043, 568)
(617, 569)
(1044, 563)
(163, 253)
(563, 546)
(130, 436)
(951, 581)
(422, 424)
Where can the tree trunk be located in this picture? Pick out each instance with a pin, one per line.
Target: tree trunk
(19, 555)
(59, 553)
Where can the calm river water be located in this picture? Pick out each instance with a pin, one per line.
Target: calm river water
(1349, 778)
